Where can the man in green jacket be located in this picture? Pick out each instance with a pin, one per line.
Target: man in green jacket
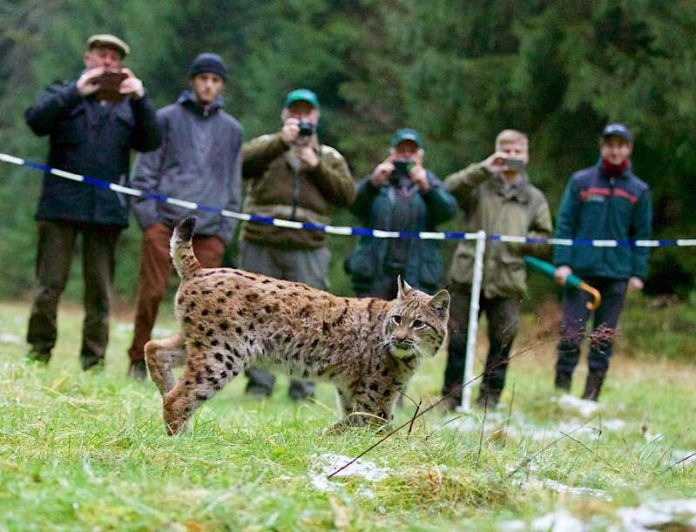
(291, 176)
(496, 197)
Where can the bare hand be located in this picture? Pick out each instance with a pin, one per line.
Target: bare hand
(635, 284)
(561, 274)
(308, 156)
(290, 131)
(131, 86)
(87, 83)
(419, 177)
(382, 172)
(494, 163)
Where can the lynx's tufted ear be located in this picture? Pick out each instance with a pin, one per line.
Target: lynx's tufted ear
(441, 301)
(404, 287)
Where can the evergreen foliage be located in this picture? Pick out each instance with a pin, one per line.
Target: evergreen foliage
(457, 71)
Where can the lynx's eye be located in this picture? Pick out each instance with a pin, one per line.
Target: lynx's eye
(418, 324)
(396, 320)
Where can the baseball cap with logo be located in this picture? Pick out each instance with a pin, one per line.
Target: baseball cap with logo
(616, 130)
(406, 133)
(105, 39)
(302, 95)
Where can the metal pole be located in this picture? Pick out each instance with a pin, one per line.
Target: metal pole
(473, 321)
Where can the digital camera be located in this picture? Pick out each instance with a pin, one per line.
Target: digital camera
(402, 168)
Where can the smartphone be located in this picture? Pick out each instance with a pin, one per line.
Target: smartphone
(109, 83)
(516, 164)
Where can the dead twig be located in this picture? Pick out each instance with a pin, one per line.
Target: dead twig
(415, 414)
(595, 453)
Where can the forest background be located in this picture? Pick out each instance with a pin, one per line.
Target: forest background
(458, 71)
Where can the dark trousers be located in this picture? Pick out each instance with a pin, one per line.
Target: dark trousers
(155, 272)
(503, 316)
(55, 250)
(575, 317)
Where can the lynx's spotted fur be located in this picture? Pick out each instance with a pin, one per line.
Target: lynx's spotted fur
(368, 348)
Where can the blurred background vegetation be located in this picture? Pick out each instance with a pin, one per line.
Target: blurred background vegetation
(457, 71)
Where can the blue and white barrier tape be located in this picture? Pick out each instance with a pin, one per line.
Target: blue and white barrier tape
(335, 230)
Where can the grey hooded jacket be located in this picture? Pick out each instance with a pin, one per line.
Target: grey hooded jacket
(200, 161)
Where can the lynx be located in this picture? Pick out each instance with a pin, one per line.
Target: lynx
(368, 348)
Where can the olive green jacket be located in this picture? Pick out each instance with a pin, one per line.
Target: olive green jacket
(277, 188)
(519, 211)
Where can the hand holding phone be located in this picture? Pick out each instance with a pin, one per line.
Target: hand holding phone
(109, 84)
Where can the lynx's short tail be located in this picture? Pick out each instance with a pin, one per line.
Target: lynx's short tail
(181, 247)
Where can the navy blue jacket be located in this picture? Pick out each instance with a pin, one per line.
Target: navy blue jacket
(596, 207)
(373, 206)
(91, 139)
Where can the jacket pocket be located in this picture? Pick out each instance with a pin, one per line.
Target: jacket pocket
(511, 276)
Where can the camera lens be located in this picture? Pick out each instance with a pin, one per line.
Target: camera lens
(306, 128)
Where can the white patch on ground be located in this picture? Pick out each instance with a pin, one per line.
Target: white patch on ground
(519, 427)
(157, 332)
(657, 514)
(559, 487)
(558, 521)
(327, 463)
(11, 339)
(534, 483)
(162, 332)
(650, 437)
(680, 458)
(581, 406)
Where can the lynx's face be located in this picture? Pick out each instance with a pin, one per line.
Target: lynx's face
(417, 324)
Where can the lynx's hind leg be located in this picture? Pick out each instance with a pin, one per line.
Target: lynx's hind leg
(161, 356)
(206, 373)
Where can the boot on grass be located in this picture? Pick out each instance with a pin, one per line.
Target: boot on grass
(593, 385)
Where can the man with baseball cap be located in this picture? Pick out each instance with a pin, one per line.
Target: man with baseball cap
(93, 123)
(399, 195)
(605, 201)
(200, 160)
(291, 176)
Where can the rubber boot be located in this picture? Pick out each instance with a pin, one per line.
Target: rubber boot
(593, 386)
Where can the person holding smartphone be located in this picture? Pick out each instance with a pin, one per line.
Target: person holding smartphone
(93, 123)
(497, 197)
(399, 195)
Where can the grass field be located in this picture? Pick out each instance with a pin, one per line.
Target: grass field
(88, 451)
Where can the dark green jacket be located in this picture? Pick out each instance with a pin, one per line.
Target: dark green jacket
(487, 206)
(277, 190)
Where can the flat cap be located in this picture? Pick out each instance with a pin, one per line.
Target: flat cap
(106, 39)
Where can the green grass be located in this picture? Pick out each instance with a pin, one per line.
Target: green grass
(88, 451)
